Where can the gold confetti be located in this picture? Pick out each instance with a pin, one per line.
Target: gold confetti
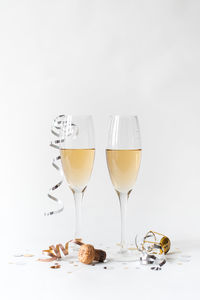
(174, 252)
(55, 266)
(28, 255)
(132, 248)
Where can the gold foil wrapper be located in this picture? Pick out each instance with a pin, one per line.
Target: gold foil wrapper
(165, 243)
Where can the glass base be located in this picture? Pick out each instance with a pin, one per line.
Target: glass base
(124, 255)
(74, 248)
(72, 256)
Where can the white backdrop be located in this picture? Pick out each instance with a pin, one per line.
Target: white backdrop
(100, 58)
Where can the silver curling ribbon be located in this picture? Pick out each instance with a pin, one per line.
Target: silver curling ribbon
(55, 130)
(60, 123)
(151, 250)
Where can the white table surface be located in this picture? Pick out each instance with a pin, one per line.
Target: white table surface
(178, 279)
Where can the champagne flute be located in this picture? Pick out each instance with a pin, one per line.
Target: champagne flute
(77, 157)
(123, 156)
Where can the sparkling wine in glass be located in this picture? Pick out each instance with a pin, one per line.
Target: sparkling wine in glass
(123, 156)
(77, 157)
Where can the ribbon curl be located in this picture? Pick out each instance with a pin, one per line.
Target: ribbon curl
(55, 130)
(55, 251)
(60, 123)
(153, 251)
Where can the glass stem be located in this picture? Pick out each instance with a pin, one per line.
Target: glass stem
(123, 199)
(78, 196)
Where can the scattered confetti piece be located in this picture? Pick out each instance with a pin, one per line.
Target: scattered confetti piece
(56, 266)
(184, 259)
(125, 268)
(75, 265)
(20, 263)
(132, 248)
(174, 252)
(28, 255)
(156, 268)
(186, 256)
(18, 255)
